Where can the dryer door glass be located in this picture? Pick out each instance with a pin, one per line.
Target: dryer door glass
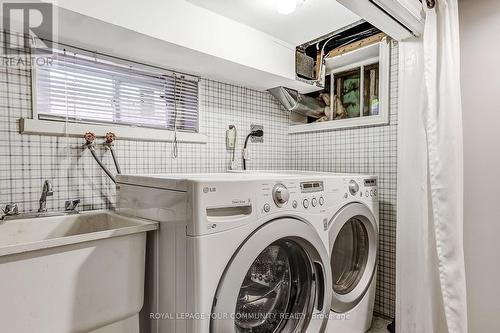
(349, 256)
(276, 290)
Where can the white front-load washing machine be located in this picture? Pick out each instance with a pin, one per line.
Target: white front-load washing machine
(234, 252)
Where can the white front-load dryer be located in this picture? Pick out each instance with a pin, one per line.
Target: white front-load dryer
(353, 239)
(234, 252)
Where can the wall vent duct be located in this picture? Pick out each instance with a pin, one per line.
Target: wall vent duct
(293, 101)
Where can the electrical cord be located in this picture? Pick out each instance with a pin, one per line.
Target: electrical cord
(244, 151)
(257, 133)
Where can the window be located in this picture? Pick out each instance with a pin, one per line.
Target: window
(356, 92)
(78, 88)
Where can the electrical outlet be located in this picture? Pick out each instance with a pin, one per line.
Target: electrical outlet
(255, 139)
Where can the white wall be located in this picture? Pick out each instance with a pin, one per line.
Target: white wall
(180, 36)
(185, 24)
(480, 45)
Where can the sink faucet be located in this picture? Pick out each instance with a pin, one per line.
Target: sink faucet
(46, 192)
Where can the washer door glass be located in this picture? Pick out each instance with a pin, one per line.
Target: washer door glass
(349, 256)
(276, 290)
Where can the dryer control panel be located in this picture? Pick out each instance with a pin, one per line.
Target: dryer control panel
(362, 188)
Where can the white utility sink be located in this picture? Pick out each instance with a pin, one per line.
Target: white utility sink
(72, 273)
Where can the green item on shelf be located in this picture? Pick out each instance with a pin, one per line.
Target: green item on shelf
(350, 97)
(374, 107)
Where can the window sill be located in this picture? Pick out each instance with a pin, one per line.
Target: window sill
(340, 124)
(59, 128)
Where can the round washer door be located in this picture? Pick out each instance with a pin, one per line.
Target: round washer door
(277, 282)
(353, 237)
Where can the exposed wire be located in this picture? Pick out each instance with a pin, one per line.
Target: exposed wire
(343, 41)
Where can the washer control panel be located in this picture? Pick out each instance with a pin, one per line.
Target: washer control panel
(312, 186)
(353, 187)
(292, 195)
(281, 195)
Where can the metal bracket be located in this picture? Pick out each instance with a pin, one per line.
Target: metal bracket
(71, 205)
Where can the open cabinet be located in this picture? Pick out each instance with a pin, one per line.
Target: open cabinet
(349, 68)
(356, 89)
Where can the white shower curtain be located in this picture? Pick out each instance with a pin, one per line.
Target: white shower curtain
(430, 261)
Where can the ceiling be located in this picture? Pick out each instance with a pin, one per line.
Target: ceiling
(312, 18)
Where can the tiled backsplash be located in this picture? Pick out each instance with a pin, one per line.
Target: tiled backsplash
(27, 160)
(369, 150)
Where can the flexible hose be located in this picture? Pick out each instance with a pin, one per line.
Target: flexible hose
(115, 159)
(103, 167)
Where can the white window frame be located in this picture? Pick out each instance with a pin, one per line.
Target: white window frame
(37, 126)
(383, 59)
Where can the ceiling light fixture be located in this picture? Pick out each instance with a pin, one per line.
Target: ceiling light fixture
(286, 7)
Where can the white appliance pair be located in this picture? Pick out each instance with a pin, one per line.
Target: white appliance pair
(257, 252)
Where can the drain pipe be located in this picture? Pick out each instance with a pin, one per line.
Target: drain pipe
(110, 138)
(89, 143)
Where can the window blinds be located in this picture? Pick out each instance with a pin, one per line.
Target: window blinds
(81, 89)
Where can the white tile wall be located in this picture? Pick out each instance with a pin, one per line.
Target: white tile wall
(27, 160)
(371, 150)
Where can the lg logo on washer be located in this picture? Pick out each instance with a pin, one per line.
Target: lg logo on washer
(208, 189)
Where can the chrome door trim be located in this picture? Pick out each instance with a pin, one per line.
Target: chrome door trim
(289, 228)
(343, 303)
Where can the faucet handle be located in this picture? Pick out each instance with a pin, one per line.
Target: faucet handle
(11, 209)
(71, 205)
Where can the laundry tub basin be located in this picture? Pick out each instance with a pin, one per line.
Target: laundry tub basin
(72, 273)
